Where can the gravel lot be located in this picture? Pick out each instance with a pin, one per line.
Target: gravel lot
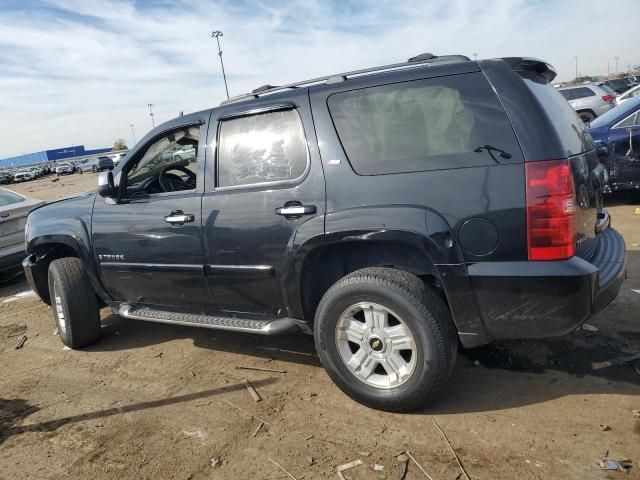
(159, 401)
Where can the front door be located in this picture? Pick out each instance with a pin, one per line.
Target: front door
(148, 243)
(265, 194)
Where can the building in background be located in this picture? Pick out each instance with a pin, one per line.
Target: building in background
(50, 156)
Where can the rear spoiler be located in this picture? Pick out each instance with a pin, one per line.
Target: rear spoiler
(532, 65)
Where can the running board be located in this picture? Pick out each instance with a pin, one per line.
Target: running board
(279, 326)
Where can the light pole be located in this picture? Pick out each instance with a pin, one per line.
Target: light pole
(151, 115)
(608, 68)
(616, 59)
(475, 55)
(576, 57)
(217, 34)
(133, 133)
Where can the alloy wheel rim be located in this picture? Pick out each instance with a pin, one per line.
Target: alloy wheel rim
(376, 345)
(62, 322)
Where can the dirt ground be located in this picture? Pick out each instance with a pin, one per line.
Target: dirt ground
(153, 401)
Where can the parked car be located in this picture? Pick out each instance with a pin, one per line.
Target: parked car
(87, 165)
(618, 133)
(23, 175)
(64, 168)
(393, 212)
(5, 177)
(14, 209)
(589, 100)
(631, 93)
(104, 163)
(618, 85)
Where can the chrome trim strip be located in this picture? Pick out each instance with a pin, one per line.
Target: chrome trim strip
(152, 266)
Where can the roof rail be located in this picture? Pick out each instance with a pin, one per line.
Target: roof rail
(422, 59)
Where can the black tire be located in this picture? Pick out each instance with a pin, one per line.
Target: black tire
(587, 116)
(177, 158)
(421, 310)
(95, 169)
(71, 293)
(79, 170)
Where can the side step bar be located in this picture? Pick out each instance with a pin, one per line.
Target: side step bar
(279, 326)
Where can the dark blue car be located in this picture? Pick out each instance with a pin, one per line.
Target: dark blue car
(618, 131)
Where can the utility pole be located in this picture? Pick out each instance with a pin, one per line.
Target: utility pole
(133, 133)
(151, 115)
(616, 59)
(576, 57)
(217, 34)
(608, 68)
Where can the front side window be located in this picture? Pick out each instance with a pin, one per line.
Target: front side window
(420, 125)
(169, 164)
(630, 121)
(263, 148)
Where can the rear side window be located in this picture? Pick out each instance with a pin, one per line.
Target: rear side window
(264, 148)
(562, 116)
(420, 125)
(583, 92)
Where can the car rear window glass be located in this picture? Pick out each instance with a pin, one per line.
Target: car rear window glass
(8, 198)
(420, 125)
(562, 116)
(263, 148)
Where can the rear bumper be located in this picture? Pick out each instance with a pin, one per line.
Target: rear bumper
(543, 299)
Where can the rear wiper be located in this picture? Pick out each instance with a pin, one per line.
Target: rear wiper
(489, 148)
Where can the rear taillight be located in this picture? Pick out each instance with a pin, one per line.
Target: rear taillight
(608, 98)
(551, 210)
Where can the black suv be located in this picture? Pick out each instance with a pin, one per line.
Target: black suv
(392, 212)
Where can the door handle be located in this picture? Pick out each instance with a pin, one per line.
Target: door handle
(295, 209)
(178, 217)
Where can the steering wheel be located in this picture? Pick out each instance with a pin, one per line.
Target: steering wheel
(170, 182)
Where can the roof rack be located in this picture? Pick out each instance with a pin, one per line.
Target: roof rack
(422, 59)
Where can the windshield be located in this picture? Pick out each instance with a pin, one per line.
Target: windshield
(7, 197)
(612, 115)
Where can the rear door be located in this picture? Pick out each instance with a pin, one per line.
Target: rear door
(265, 194)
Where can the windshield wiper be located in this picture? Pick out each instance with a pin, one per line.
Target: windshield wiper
(489, 148)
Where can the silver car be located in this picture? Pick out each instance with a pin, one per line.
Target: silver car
(589, 100)
(14, 209)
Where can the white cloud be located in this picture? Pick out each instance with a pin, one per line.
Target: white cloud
(81, 71)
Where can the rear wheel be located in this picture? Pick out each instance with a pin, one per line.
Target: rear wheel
(95, 169)
(79, 170)
(587, 116)
(74, 303)
(385, 338)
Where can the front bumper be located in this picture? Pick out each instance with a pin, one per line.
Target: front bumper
(543, 299)
(10, 258)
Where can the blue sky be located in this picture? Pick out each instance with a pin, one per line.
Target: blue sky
(82, 71)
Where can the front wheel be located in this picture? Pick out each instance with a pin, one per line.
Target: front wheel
(385, 338)
(74, 303)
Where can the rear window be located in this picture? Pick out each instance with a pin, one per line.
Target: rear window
(431, 124)
(563, 117)
(8, 198)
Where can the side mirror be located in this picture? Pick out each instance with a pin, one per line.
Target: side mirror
(106, 186)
